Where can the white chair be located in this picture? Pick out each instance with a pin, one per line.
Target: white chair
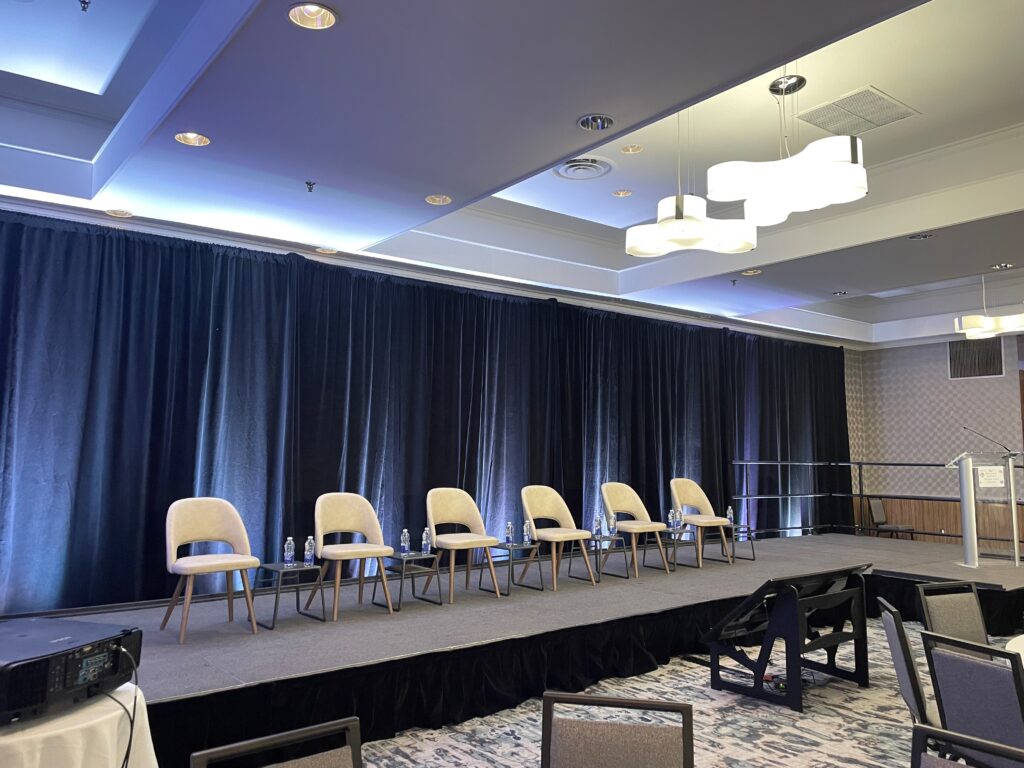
(207, 519)
(686, 493)
(348, 513)
(619, 498)
(453, 506)
(541, 502)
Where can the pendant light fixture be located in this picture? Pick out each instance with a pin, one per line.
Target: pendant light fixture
(828, 171)
(986, 326)
(683, 222)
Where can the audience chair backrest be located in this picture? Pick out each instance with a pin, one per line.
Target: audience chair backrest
(687, 493)
(877, 511)
(204, 519)
(619, 497)
(903, 662)
(541, 502)
(985, 752)
(453, 505)
(265, 749)
(953, 608)
(345, 512)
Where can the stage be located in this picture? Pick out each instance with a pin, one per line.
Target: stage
(429, 665)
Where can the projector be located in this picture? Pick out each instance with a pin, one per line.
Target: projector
(49, 661)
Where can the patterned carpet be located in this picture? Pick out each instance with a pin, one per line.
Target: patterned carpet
(842, 724)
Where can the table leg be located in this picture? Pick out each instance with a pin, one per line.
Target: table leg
(435, 575)
(534, 557)
(277, 601)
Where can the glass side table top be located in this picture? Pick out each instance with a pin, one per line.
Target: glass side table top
(407, 556)
(515, 546)
(298, 567)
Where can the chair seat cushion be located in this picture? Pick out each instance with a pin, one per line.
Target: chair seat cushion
(355, 551)
(562, 534)
(639, 526)
(705, 521)
(194, 564)
(464, 541)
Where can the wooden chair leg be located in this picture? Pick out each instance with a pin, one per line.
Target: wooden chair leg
(361, 563)
(383, 576)
(229, 580)
(337, 588)
(632, 544)
(494, 576)
(430, 576)
(469, 563)
(526, 563)
(700, 546)
(729, 545)
(174, 601)
(248, 601)
(189, 584)
(661, 549)
(556, 549)
(318, 584)
(451, 576)
(586, 562)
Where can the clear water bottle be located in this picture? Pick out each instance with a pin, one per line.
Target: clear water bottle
(596, 527)
(729, 515)
(405, 541)
(307, 558)
(425, 542)
(508, 532)
(526, 532)
(289, 552)
(677, 516)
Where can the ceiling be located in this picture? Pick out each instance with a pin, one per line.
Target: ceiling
(405, 99)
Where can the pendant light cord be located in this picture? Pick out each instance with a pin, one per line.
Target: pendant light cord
(679, 155)
(984, 298)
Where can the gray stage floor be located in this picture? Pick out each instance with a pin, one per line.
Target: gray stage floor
(220, 655)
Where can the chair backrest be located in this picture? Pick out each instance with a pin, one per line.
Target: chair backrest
(345, 512)
(541, 502)
(903, 662)
(267, 747)
(953, 608)
(984, 752)
(572, 742)
(686, 493)
(619, 497)
(204, 519)
(877, 511)
(453, 505)
(979, 689)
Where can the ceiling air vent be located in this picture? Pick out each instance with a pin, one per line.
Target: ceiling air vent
(583, 168)
(857, 112)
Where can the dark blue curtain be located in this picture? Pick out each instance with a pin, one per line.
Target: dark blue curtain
(135, 370)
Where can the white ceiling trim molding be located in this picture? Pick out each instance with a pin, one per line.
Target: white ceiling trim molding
(807, 321)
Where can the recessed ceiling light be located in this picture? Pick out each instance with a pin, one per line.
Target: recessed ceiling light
(328, 251)
(595, 122)
(312, 16)
(787, 85)
(117, 213)
(838, 293)
(921, 236)
(438, 199)
(192, 139)
(632, 149)
(750, 272)
(622, 192)
(1002, 265)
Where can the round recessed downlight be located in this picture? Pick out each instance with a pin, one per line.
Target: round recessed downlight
(750, 272)
(787, 85)
(595, 122)
(1002, 265)
(921, 236)
(438, 199)
(327, 251)
(119, 213)
(312, 16)
(192, 139)
(838, 293)
(632, 149)
(622, 192)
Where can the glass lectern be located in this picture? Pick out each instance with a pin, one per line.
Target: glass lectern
(988, 472)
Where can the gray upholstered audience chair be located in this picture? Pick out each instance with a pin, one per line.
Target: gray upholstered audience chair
(921, 710)
(207, 519)
(979, 690)
(573, 742)
(267, 750)
(619, 498)
(686, 493)
(348, 513)
(984, 752)
(882, 524)
(541, 502)
(453, 506)
(953, 608)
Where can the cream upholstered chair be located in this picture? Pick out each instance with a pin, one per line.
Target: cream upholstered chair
(620, 498)
(686, 493)
(348, 513)
(541, 502)
(207, 519)
(447, 506)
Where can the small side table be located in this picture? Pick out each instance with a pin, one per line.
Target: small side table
(407, 564)
(679, 536)
(534, 549)
(599, 560)
(278, 572)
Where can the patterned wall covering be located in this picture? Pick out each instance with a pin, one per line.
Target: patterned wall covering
(903, 407)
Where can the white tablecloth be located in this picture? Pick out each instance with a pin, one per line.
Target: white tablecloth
(90, 734)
